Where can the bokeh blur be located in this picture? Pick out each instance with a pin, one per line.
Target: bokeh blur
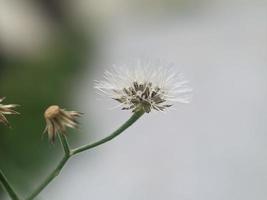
(214, 148)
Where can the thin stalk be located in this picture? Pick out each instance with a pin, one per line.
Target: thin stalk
(49, 179)
(65, 144)
(8, 187)
(126, 125)
(69, 153)
(57, 170)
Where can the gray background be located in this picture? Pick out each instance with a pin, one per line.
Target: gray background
(213, 148)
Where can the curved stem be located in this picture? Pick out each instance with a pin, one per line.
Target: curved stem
(126, 125)
(48, 180)
(8, 187)
(69, 153)
(57, 170)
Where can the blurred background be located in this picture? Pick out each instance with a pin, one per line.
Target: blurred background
(51, 52)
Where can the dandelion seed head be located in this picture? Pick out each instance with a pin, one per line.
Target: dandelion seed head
(145, 86)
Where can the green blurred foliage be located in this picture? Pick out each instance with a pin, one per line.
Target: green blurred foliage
(25, 156)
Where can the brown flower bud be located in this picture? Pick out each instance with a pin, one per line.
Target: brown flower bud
(57, 119)
(6, 110)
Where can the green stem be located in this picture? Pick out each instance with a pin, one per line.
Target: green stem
(126, 125)
(8, 187)
(65, 144)
(57, 170)
(69, 153)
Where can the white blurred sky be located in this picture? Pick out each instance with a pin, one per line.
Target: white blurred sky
(213, 148)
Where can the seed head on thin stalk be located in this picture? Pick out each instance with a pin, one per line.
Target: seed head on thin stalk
(6, 110)
(145, 86)
(57, 119)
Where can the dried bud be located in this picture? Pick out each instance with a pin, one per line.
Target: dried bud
(57, 119)
(6, 110)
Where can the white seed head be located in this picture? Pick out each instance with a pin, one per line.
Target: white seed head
(145, 86)
(6, 110)
(57, 119)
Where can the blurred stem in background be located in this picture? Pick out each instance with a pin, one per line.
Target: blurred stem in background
(36, 82)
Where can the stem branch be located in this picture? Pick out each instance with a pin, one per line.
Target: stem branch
(57, 170)
(126, 125)
(69, 153)
(65, 144)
